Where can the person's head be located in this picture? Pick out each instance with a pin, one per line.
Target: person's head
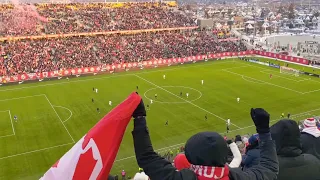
(253, 142)
(141, 176)
(207, 149)
(310, 122)
(286, 134)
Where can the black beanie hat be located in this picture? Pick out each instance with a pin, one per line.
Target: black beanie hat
(207, 149)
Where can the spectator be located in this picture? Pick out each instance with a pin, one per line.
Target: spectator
(310, 138)
(206, 151)
(293, 164)
(252, 155)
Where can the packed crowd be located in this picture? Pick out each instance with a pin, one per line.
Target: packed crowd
(29, 56)
(278, 152)
(77, 18)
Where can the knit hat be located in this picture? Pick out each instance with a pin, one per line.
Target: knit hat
(141, 176)
(310, 122)
(181, 162)
(253, 139)
(207, 149)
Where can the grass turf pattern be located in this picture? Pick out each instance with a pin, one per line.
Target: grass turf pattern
(54, 114)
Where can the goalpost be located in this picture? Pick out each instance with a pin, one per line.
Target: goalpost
(290, 71)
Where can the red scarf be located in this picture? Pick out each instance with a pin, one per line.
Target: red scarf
(209, 173)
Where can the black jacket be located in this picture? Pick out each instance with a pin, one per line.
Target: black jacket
(310, 144)
(157, 168)
(293, 165)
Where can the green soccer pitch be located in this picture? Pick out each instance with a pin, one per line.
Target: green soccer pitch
(54, 114)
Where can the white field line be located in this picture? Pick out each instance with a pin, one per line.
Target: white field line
(184, 100)
(11, 125)
(21, 97)
(311, 91)
(66, 109)
(264, 72)
(59, 118)
(119, 75)
(265, 82)
(246, 127)
(251, 81)
(235, 67)
(14, 132)
(29, 152)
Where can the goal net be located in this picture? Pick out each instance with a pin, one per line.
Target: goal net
(290, 71)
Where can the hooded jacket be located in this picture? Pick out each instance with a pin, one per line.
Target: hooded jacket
(196, 150)
(310, 140)
(252, 156)
(293, 165)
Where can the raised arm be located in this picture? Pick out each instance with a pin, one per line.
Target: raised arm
(269, 166)
(156, 167)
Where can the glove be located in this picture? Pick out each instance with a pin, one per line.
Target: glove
(229, 141)
(261, 119)
(140, 110)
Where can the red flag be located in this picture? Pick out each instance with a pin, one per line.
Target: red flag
(93, 155)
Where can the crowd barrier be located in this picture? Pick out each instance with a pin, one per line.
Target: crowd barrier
(150, 63)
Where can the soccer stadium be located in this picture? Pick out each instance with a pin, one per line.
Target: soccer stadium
(159, 90)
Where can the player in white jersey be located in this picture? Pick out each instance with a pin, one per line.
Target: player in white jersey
(110, 103)
(238, 100)
(15, 117)
(164, 76)
(151, 101)
(228, 124)
(96, 90)
(187, 94)
(202, 81)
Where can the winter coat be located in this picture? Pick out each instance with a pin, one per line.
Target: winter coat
(157, 168)
(310, 141)
(251, 158)
(293, 165)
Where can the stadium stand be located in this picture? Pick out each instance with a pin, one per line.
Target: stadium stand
(70, 18)
(43, 55)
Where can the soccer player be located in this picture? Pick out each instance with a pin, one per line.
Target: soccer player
(96, 90)
(148, 107)
(206, 117)
(288, 115)
(98, 110)
(137, 87)
(110, 103)
(228, 125)
(15, 117)
(167, 123)
(270, 76)
(238, 100)
(92, 100)
(151, 101)
(187, 94)
(164, 76)
(156, 96)
(93, 89)
(282, 115)
(180, 93)
(202, 81)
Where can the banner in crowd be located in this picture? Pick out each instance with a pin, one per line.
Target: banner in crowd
(282, 57)
(150, 63)
(105, 67)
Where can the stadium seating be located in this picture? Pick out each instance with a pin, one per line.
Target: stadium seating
(45, 55)
(77, 18)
